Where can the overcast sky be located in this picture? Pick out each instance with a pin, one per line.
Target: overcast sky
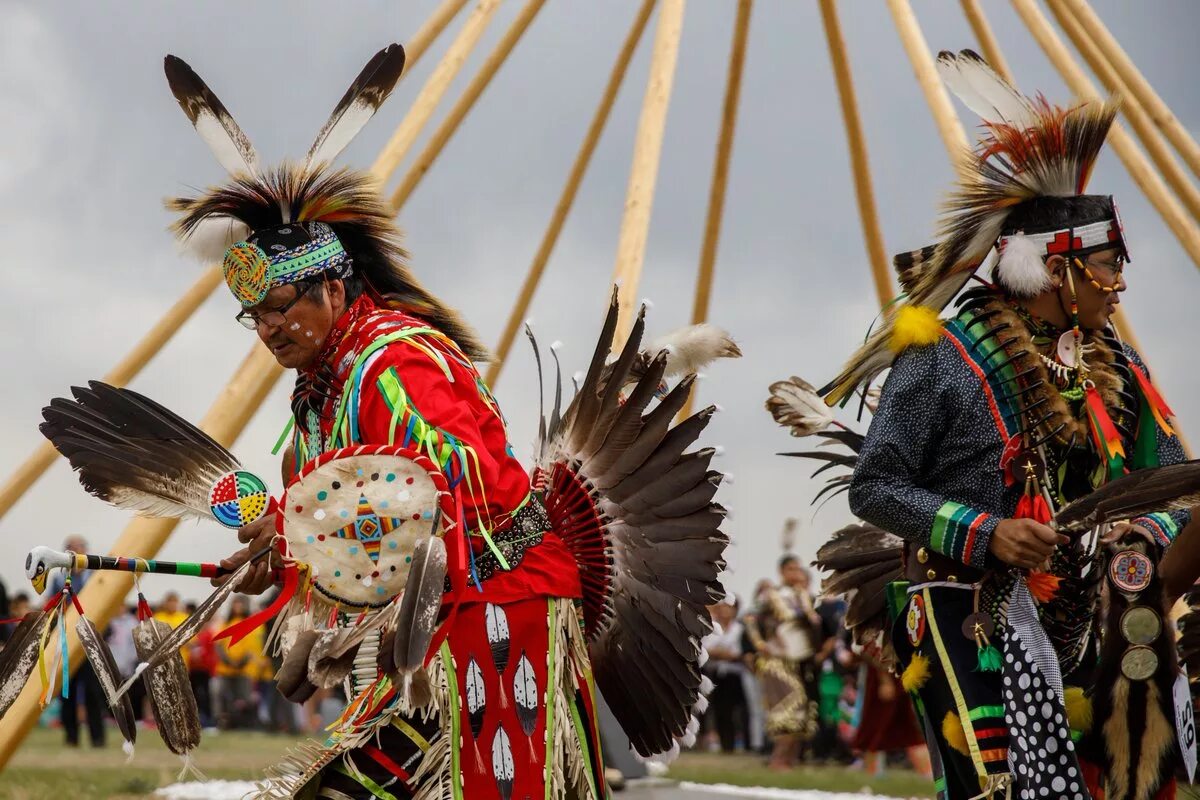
(92, 141)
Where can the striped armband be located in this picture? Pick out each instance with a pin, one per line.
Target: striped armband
(961, 533)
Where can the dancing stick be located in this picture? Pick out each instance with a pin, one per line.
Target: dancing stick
(41, 560)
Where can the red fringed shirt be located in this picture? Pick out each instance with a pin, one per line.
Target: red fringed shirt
(397, 380)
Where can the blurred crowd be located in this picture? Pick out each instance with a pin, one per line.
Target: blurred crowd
(233, 684)
(787, 684)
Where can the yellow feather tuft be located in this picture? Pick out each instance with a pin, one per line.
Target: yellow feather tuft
(914, 326)
(953, 733)
(916, 674)
(1079, 709)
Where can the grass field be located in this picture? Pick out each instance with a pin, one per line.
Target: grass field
(44, 769)
(745, 770)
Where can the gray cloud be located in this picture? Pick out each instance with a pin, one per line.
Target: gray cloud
(93, 141)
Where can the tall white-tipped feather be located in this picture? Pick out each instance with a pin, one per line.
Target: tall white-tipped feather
(210, 118)
(360, 102)
(691, 349)
(982, 90)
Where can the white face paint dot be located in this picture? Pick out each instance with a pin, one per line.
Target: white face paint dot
(319, 514)
(307, 333)
(295, 326)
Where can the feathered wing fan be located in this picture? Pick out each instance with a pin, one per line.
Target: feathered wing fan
(635, 506)
(134, 453)
(211, 119)
(1030, 149)
(861, 561)
(360, 102)
(1167, 488)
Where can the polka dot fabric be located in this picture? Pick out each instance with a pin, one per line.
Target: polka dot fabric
(1041, 754)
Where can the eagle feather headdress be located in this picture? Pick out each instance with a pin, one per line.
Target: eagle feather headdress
(346, 200)
(1030, 149)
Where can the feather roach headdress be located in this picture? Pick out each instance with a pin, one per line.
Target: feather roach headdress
(292, 222)
(1020, 193)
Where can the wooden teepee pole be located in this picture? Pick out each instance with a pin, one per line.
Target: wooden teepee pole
(720, 178)
(487, 71)
(569, 192)
(104, 592)
(434, 89)
(430, 30)
(948, 125)
(1136, 84)
(857, 143)
(987, 40)
(33, 467)
(1150, 135)
(1139, 168)
(643, 175)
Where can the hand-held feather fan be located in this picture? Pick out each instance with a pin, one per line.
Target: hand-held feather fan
(1175, 486)
(135, 454)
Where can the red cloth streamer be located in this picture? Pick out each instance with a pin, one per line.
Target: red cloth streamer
(1103, 431)
(240, 630)
(1162, 412)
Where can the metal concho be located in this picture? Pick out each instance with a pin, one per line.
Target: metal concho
(1139, 663)
(1141, 625)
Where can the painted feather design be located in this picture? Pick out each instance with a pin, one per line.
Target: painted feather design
(476, 696)
(525, 693)
(210, 118)
(502, 763)
(19, 656)
(104, 665)
(360, 102)
(499, 641)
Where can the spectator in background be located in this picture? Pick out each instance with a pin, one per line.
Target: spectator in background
(83, 685)
(727, 709)
(236, 666)
(17, 608)
(202, 668)
(169, 611)
(784, 631)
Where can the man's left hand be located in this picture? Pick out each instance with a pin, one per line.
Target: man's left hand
(1121, 529)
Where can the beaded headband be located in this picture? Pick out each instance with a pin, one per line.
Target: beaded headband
(280, 255)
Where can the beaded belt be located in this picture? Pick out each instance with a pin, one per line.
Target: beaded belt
(528, 526)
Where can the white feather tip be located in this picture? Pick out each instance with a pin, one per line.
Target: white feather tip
(1021, 268)
(209, 240)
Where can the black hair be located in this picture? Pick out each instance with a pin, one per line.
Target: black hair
(353, 284)
(1054, 213)
(788, 560)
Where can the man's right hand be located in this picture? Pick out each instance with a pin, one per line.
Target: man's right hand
(1024, 543)
(258, 536)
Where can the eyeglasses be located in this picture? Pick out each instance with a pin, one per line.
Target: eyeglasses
(1116, 268)
(274, 317)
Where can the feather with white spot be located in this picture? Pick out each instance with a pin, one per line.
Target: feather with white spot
(691, 349)
(795, 404)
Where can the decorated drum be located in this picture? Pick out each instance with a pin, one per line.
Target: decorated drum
(354, 516)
